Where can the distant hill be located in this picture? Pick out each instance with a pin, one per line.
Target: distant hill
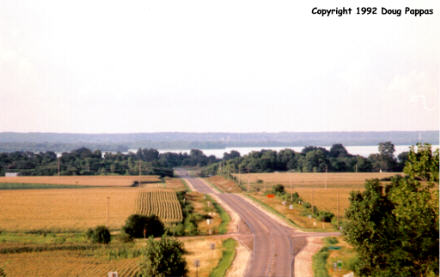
(58, 142)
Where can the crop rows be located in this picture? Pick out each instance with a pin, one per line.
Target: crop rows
(162, 203)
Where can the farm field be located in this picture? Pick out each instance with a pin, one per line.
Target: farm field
(99, 261)
(160, 202)
(175, 184)
(312, 186)
(351, 180)
(224, 184)
(106, 181)
(65, 209)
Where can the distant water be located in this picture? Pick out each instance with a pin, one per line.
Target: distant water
(354, 150)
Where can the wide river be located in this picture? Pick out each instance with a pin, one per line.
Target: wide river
(364, 150)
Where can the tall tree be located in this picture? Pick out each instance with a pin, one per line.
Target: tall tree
(395, 227)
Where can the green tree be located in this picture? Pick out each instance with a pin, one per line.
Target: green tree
(163, 258)
(138, 226)
(423, 164)
(395, 227)
(99, 235)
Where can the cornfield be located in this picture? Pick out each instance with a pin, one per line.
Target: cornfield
(163, 203)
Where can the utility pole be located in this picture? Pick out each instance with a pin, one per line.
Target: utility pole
(58, 164)
(249, 187)
(108, 210)
(239, 176)
(291, 188)
(139, 182)
(337, 214)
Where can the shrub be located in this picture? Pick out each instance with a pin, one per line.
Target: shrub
(325, 216)
(2, 272)
(99, 235)
(331, 240)
(124, 237)
(259, 181)
(163, 257)
(138, 226)
(278, 189)
(307, 205)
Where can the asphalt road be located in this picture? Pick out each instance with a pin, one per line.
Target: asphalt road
(272, 252)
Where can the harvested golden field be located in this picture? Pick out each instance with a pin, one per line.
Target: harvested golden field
(224, 184)
(200, 249)
(316, 180)
(295, 214)
(111, 181)
(96, 262)
(66, 209)
(65, 263)
(327, 199)
(160, 202)
(175, 184)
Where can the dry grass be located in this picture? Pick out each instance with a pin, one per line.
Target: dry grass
(200, 249)
(65, 209)
(65, 263)
(112, 181)
(334, 200)
(312, 187)
(204, 207)
(316, 180)
(175, 184)
(224, 184)
(88, 263)
(295, 214)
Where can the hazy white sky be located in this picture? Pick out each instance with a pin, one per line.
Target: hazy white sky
(146, 66)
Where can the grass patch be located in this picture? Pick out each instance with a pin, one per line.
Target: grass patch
(226, 260)
(185, 184)
(272, 210)
(16, 186)
(223, 228)
(214, 186)
(319, 262)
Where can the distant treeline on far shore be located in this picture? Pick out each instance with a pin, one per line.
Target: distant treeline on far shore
(83, 161)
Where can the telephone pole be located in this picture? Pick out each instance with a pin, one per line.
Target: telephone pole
(58, 164)
(139, 182)
(291, 188)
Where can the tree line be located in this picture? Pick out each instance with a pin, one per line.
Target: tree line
(310, 159)
(84, 161)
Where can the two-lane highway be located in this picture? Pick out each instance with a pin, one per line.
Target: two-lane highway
(272, 253)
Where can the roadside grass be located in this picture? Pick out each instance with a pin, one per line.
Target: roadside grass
(335, 258)
(185, 184)
(272, 210)
(224, 216)
(227, 258)
(17, 186)
(41, 237)
(214, 186)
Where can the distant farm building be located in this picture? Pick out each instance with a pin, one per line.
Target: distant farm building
(11, 174)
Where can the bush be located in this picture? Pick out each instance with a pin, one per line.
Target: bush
(139, 226)
(2, 272)
(278, 189)
(331, 240)
(124, 237)
(307, 205)
(99, 235)
(163, 257)
(325, 216)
